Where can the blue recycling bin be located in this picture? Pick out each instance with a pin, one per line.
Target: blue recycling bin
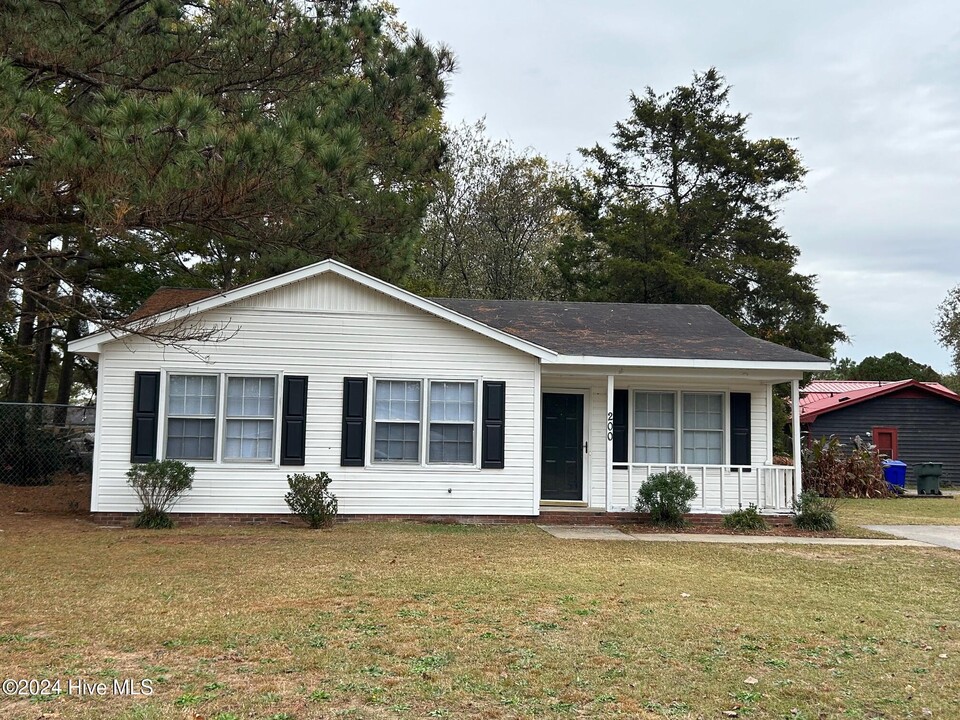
(895, 473)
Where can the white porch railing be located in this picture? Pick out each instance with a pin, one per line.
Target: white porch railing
(720, 488)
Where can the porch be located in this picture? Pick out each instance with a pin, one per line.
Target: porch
(603, 434)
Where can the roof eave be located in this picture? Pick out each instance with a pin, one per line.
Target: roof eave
(704, 363)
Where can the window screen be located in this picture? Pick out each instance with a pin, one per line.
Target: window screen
(654, 427)
(453, 411)
(191, 417)
(249, 418)
(396, 421)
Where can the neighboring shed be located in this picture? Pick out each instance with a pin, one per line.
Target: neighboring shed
(908, 420)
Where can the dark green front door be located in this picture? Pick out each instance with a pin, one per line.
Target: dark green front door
(561, 476)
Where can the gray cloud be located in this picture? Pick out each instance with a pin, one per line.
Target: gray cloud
(870, 91)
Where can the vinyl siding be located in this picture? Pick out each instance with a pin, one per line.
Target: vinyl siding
(596, 388)
(928, 429)
(624, 496)
(327, 328)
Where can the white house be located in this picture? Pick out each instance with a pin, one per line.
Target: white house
(421, 406)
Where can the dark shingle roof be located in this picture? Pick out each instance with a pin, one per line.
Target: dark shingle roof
(168, 298)
(626, 330)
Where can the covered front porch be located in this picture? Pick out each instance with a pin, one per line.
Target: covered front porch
(603, 431)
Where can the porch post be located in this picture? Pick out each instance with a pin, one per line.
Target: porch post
(608, 426)
(795, 419)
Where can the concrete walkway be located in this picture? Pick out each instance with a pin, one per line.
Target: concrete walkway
(947, 536)
(599, 532)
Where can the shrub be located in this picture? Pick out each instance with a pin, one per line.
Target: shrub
(666, 496)
(158, 485)
(836, 470)
(311, 499)
(813, 512)
(745, 519)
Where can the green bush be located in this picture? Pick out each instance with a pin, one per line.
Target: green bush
(311, 499)
(813, 512)
(666, 496)
(158, 485)
(745, 519)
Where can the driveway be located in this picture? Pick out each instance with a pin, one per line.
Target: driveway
(947, 536)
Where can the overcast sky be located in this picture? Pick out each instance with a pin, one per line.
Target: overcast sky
(868, 90)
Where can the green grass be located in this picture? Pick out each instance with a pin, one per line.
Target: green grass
(406, 621)
(899, 511)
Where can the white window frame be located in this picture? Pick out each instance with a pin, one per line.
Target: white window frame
(421, 463)
(277, 392)
(678, 423)
(164, 404)
(632, 408)
(220, 419)
(722, 430)
(473, 423)
(373, 423)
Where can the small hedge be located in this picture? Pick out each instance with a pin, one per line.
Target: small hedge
(746, 519)
(666, 496)
(158, 485)
(311, 499)
(813, 512)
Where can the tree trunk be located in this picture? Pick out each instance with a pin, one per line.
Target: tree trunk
(19, 388)
(65, 384)
(43, 348)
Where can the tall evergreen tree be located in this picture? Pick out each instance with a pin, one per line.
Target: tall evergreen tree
(684, 208)
(212, 142)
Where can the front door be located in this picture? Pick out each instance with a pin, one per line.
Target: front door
(561, 476)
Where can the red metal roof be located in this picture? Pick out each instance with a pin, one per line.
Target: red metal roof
(823, 396)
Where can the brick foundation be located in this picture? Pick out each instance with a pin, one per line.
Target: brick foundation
(547, 517)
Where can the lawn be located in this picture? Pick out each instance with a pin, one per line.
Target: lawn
(899, 511)
(413, 621)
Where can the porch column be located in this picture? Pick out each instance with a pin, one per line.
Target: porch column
(795, 420)
(609, 459)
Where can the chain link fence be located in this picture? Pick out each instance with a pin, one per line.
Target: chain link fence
(41, 442)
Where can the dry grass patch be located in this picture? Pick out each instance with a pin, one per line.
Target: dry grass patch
(407, 621)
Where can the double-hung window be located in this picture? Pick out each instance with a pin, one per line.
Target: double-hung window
(452, 419)
(246, 413)
(654, 427)
(191, 417)
(703, 428)
(249, 418)
(396, 421)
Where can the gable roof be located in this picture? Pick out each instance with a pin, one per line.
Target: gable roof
(627, 330)
(821, 397)
(159, 308)
(618, 334)
(169, 298)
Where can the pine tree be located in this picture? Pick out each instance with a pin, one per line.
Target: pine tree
(150, 141)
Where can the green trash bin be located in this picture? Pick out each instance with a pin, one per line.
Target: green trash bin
(928, 478)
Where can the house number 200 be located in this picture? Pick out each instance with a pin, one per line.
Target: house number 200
(609, 426)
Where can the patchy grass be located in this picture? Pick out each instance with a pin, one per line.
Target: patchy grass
(899, 511)
(406, 621)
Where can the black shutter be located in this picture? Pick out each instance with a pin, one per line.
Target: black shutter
(293, 431)
(353, 433)
(146, 417)
(494, 415)
(620, 410)
(739, 428)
